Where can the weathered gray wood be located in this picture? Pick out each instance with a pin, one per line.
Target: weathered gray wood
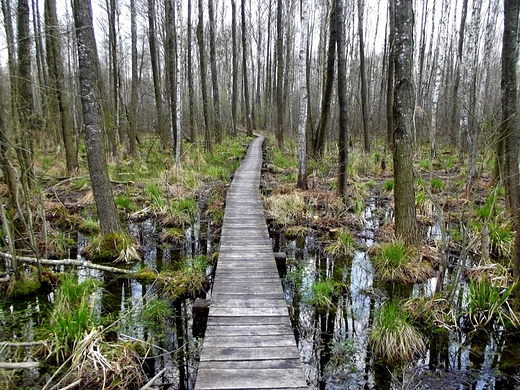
(243, 378)
(249, 342)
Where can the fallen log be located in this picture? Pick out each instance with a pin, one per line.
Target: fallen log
(77, 263)
(17, 366)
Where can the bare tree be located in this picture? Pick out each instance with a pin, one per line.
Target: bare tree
(363, 78)
(132, 129)
(280, 107)
(88, 80)
(342, 100)
(214, 73)
(58, 90)
(247, 111)
(404, 105)
(234, 93)
(189, 71)
(154, 59)
(323, 124)
(203, 81)
(302, 121)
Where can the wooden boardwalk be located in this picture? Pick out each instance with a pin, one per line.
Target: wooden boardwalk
(249, 342)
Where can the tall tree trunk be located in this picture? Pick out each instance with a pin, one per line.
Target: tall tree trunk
(132, 129)
(509, 124)
(342, 100)
(302, 121)
(363, 78)
(404, 94)
(438, 69)
(154, 59)
(323, 124)
(88, 80)
(203, 81)
(508, 127)
(170, 47)
(456, 81)
(234, 93)
(247, 112)
(390, 46)
(214, 74)
(280, 106)
(191, 89)
(25, 104)
(58, 90)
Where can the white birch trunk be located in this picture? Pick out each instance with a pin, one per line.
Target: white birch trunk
(302, 121)
(178, 86)
(440, 58)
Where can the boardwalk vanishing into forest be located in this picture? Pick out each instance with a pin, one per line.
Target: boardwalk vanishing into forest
(249, 342)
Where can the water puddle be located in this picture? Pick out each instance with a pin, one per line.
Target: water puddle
(333, 342)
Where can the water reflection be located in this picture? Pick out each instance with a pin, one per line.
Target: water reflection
(474, 360)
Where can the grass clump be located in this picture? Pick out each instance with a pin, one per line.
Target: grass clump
(436, 184)
(323, 293)
(487, 303)
(186, 281)
(388, 185)
(295, 232)
(393, 337)
(343, 246)
(71, 316)
(286, 209)
(395, 262)
(156, 194)
(89, 227)
(174, 236)
(116, 247)
(125, 203)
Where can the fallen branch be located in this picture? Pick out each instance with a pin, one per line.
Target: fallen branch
(17, 366)
(21, 344)
(150, 383)
(77, 263)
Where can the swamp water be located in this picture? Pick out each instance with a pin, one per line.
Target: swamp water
(172, 344)
(333, 342)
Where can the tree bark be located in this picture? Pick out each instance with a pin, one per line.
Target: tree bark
(302, 122)
(132, 128)
(203, 81)
(247, 111)
(404, 105)
(234, 93)
(342, 100)
(171, 61)
(390, 44)
(280, 107)
(88, 81)
(154, 59)
(191, 89)
(323, 124)
(362, 71)
(58, 88)
(25, 104)
(214, 73)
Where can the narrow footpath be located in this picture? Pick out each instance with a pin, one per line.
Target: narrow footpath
(249, 342)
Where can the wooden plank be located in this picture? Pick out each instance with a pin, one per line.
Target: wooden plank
(248, 311)
(249, 341)
(252, 353)
(252, 330)
(233, 301)
(253, 364)
(251, 378)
